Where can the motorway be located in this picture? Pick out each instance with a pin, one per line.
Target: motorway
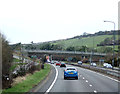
(88, 81)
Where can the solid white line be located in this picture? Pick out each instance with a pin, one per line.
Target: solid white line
(53, 81)
(104, 76)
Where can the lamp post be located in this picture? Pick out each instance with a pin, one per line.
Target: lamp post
(92, 51)
(113, 41)
(82, 49)
(93, 46)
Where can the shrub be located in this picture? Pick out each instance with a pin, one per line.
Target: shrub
(22, 71)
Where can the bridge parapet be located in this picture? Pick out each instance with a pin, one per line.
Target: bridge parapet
(65, 52)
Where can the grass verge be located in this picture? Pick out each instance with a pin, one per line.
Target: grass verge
(30, 82)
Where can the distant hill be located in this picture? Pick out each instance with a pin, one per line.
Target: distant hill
(88, 40)
(85, 41)
(96, 34)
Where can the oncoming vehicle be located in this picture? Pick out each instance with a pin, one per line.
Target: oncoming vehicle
(80, 62)
(70, 72)
(106, 65)
(62, 64)
(93, 64)
(109, 66)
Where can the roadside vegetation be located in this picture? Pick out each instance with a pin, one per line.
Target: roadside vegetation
(6, 63)
(16, 60)
(13, 68)
(15, 64)
(29, 82)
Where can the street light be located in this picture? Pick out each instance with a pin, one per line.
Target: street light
(92, 51)
(113, 41)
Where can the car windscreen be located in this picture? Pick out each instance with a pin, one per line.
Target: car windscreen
(62, 63)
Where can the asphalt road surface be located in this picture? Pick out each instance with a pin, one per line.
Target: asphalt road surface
(88, 81)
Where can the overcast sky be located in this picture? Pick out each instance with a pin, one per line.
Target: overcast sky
(45, 20)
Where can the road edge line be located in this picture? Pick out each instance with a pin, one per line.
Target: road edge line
(48, 90)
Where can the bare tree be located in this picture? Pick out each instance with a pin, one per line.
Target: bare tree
(6, 63)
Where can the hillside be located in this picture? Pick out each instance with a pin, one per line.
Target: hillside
(85, 41)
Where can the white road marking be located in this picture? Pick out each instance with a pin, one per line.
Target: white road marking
(53, 81)
(104, 76)
(90, 85)
(83, 78)
(95, 91)
(86, 81)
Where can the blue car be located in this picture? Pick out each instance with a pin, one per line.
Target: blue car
(70, 72)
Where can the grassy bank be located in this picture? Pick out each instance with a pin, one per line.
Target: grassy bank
(30, 81)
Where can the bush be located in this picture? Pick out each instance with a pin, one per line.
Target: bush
(22, 71)
(32, 69)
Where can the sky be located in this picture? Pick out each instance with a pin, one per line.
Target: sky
(46, 20)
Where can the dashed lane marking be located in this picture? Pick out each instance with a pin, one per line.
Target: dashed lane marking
(95, 91)
(90, 85)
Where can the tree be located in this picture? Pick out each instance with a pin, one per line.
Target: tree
(56, 47)
(16, 46)
(70, 49)
(6, 63)
(46, 46)
(83, 48)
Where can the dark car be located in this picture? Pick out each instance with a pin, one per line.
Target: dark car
(63, 64)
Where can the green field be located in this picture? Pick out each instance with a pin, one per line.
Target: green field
(86, 41)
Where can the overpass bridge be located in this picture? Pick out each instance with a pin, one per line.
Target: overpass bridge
(65, 52)
(57, 54)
